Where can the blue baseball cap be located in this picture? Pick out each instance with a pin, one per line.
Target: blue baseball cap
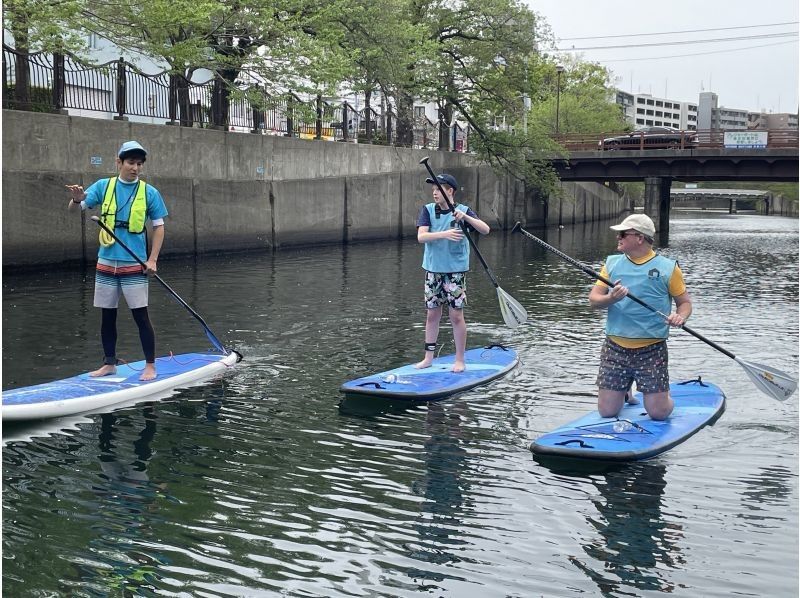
(444, 179)
(131, 147)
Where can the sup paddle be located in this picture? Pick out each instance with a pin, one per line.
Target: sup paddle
(513, 313)
(214, 340)
(769, 380)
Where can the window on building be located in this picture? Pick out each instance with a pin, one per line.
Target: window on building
(692, 108)
(691, 117)
(649, 102)
(659, 103)
(640, 100)
(640, 111)
(639, 121)
(93, 41)
(649, 113)
(659, 123)
(419, 111)
(648, 122)
(659, 113)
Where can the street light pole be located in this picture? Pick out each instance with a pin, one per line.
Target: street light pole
(559, 70)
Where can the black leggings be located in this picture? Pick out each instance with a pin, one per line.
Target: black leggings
(108, 334)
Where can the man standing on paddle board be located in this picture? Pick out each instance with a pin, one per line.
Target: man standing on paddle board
(446, 261)
(126, 203)
(635, 348)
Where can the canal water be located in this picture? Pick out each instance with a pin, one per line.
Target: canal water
(263, 483)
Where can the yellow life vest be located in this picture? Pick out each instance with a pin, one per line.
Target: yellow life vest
(108, 211)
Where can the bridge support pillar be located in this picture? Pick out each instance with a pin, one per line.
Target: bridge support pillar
(656, 204)
(732, 206)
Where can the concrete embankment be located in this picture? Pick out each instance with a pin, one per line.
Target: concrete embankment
(233, 191)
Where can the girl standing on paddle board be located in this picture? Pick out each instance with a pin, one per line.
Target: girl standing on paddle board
(636, 338)
(446, 261)
(126, 204)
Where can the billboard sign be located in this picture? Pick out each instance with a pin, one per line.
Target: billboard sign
(745, 139)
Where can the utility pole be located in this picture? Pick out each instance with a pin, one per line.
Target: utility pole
(559, 70)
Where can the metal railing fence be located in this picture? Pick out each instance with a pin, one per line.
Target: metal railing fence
(118, 89)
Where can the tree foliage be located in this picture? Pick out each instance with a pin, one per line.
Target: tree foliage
(477, 60)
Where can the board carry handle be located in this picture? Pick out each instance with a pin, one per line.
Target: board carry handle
(580, 442)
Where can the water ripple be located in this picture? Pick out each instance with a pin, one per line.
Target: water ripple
(266, 483)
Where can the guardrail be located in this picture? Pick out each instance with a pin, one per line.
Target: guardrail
(118, 89)
(701, 139)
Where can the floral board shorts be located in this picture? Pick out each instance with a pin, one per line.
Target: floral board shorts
(441, 288)
(619, 367)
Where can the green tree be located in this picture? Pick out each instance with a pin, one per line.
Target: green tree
(381, 44)
(585, 100)
(279, 44)
(485, 65)
(35, 26)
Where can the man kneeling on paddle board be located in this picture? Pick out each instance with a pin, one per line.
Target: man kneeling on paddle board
(126, 204)
(446, 261)
(635, 348)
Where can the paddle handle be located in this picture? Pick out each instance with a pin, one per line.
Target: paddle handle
(598, 276)
(214, 340)
(462, 223)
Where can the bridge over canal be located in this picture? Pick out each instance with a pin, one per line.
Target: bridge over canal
(659, 167)
(731, 200)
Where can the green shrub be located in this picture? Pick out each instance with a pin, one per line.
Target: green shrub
(40, 99)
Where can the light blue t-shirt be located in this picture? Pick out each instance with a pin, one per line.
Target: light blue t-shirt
(125, 192)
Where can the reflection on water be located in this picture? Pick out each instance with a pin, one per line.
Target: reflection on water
(268, 482)
(125, 509)
(634, 541)
(441, 484)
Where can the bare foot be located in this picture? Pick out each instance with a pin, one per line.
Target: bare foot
(425, 363)
(106, 370)
(458, 367)
(149, 372)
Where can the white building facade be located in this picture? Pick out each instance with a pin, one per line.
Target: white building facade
(644, 110)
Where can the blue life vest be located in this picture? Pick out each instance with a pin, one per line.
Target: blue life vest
(650, 283)
(443, 255)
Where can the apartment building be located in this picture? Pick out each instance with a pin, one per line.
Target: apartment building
(710, 115)
(644, 110)
(772, 120)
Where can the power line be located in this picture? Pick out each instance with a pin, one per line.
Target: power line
(682, 42)
(794, 41)
(569, 39)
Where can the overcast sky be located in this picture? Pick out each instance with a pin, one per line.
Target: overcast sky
(750, 74)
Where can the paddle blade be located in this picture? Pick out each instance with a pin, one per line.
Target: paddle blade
(775, 383)
(513, 313)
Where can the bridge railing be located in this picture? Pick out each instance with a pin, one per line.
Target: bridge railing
(701, 139)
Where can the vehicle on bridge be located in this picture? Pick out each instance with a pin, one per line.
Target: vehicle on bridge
(651, 138)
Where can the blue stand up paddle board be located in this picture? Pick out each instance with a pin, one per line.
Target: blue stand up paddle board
(82, 393)
(632, 435)
(438, 381)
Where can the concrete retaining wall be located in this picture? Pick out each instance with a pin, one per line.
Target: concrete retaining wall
(234, 191)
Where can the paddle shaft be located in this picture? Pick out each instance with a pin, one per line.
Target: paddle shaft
(462, 223)
(217, 343)
(631, 296)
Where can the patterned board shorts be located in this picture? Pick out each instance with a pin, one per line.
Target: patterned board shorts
(114, 278)
(619, 367)
(441, 288)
